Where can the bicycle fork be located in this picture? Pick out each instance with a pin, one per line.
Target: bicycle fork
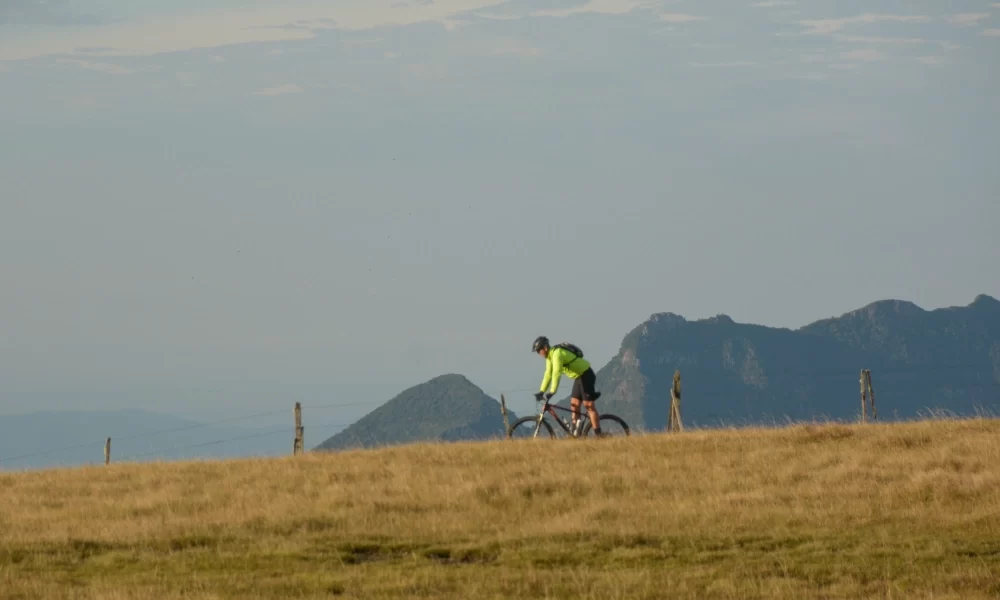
(538, 424)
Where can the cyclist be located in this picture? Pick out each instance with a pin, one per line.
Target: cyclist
(565, 359)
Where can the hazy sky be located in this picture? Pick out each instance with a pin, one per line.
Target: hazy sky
(216, 207)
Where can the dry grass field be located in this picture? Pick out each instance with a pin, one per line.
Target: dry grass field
(877, 511)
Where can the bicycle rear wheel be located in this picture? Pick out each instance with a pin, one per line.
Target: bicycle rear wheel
(524, 429)
(611, 426)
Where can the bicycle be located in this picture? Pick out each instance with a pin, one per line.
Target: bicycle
(533, 424)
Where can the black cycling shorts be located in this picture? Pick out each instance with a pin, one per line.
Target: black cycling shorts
(583, 387)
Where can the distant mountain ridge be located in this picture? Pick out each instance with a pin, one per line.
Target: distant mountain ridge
(902, 331)
(445, 408)
(733, 372)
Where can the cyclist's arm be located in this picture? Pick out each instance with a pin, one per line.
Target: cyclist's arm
(547, 376)
(556, 357)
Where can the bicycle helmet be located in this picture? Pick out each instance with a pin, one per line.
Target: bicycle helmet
(540, 342)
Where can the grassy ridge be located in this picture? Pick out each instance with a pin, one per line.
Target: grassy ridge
(905, 510)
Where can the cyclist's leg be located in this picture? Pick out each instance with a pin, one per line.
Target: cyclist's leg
(592, 413)
(574, 406)
(575, 398)
(589, 395)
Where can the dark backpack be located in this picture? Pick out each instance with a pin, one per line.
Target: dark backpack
(572, 348)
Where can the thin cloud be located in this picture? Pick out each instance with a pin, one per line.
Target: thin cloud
(281, 90)
(267, 23)
(351, 87)
(185, 78)
(109, 68)
(607, 7)
(813, 58)
(874, 39)
(967, 19)
(99, 51)
(892, 41)
(802, 76)
(362, 42)
(58, 13)
(772, 3)
(831, 26)
(81, 101)
(680, 18)
(496, 17)
(723, 65)
(517, 49)
(990, 32)
(932, 60)
(864, 55)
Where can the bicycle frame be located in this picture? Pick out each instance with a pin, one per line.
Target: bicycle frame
(583, 425)
(566, 425)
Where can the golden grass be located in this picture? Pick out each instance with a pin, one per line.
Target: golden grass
(902, 511)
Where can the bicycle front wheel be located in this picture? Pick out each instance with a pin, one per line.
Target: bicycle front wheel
(524, 428)
(611, 426)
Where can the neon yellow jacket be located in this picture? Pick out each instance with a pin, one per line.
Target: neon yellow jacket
(562, 362)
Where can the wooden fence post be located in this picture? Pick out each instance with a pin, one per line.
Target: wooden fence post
(871, 393)
(299, 432)
(107, 451)
(506, 423)
(674, 420)
(864, 404)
